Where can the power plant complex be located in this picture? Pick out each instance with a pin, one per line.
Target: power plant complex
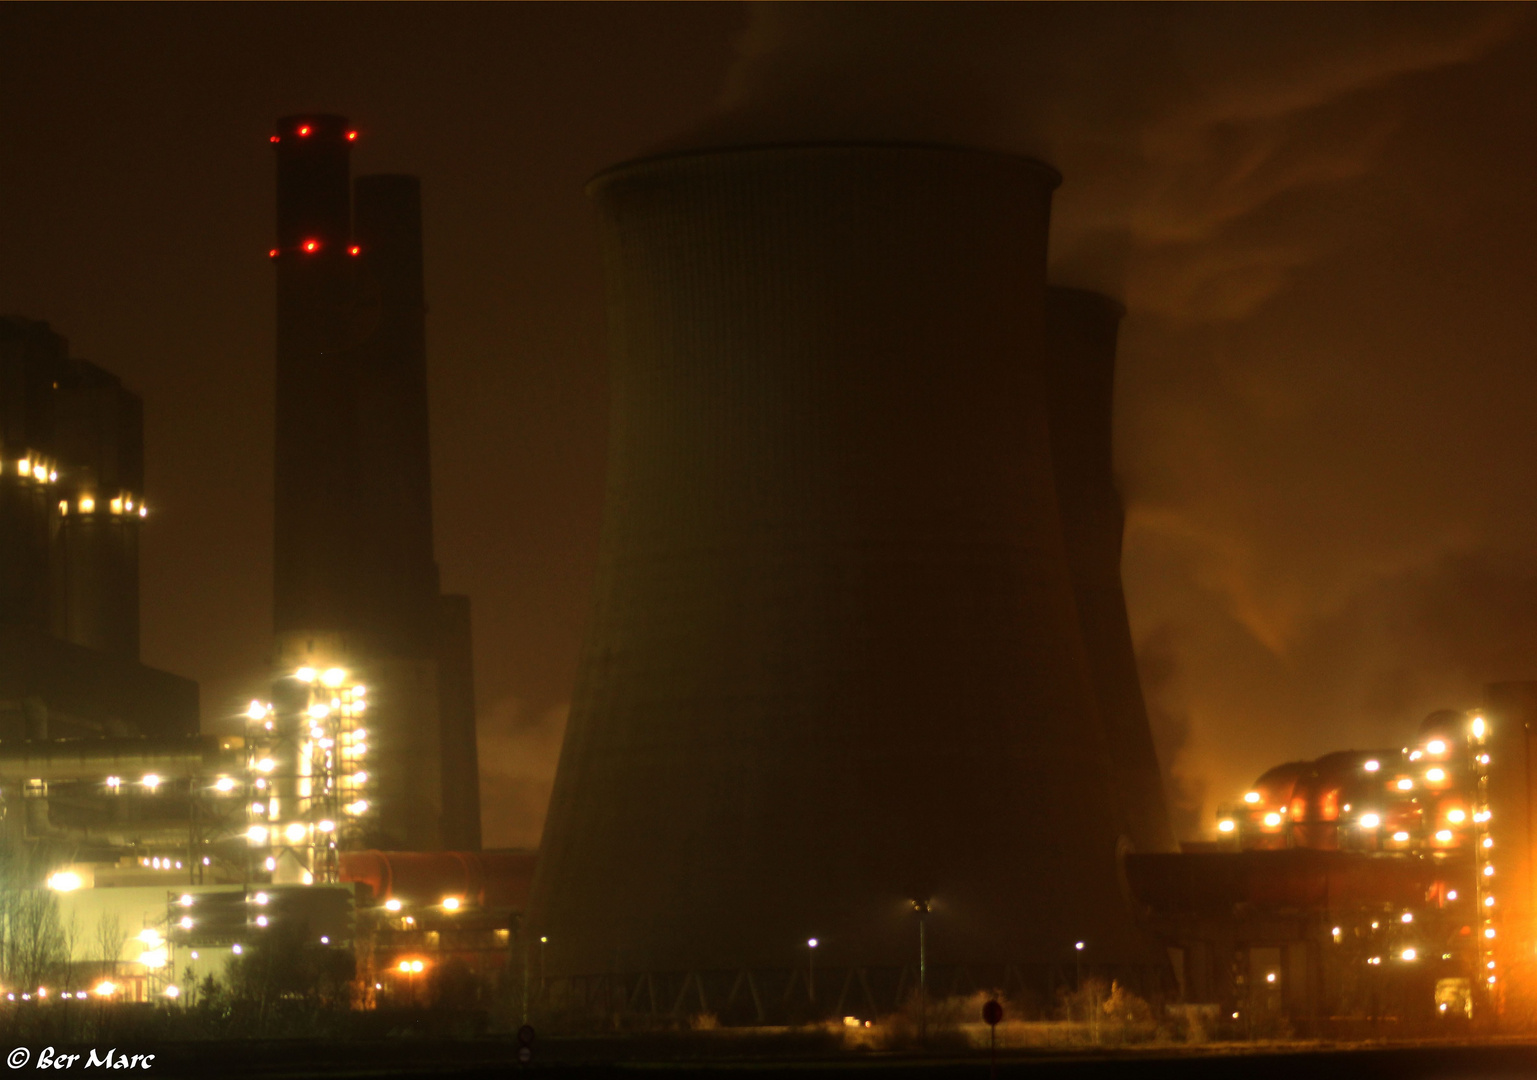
(857, 719)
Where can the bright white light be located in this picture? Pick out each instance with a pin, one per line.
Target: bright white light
(173, 992)
(1226, 825)
(261, 898)
(1078, 945)
(186, 922)
(305, 674)
(333, 677)
(1400, 836)
(1488, 841)
(1409, 954)
(1370, 821)
(1270, 977)
(1251, 797)
(1456, 817)
(392, 905)
(1407, 917)
(320, 710)
(261, 920)
(295, 833)
(1272, 820)
(271, 864)
(185, 900)
(1405, 784)
(257, 834)
(154, 958)
(150, 781)
(114, 782)
(150, 936)
(257, 711)
(1488, 871)
(326, 826)
(1435, 776)
(1488, 901)
(1372, 766)
(266, 764)
(1489, 933)
(451, 903)
(1436, 746)
(1445, 836)
(1416, 755)
(236, 949)
(224, 783)
(360, 778)
(1478, 727)
(64, 881)
(104, 989)
(1451, 894)
(417, 965)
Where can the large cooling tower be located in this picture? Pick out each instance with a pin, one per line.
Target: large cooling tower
(835, 663)
(1081, 330)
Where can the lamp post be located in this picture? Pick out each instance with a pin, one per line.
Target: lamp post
(811, 971)
(543, 941)
(1077, 966)
(921, 907)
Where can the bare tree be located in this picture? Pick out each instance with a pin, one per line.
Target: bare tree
(109, 941)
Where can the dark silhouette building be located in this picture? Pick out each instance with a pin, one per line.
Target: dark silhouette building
(355, 581)
(1081, 329)
(835, 664)
(71, 507)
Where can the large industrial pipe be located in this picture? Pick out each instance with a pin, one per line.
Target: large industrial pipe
(93, 759)
(1081, 330)
(834, 665)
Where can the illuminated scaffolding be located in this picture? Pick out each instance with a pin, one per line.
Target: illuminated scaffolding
(308, 786)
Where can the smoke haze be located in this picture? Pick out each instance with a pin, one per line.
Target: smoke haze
(1323, 398)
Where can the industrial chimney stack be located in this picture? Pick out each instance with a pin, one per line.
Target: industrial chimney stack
(356, 583)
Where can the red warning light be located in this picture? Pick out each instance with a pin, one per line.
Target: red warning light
(312, 245)
(304, 129)
(352, 136)
(272, 254)
(353, 250)
(274, 139)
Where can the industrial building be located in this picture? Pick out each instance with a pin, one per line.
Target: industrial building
(71, 507)
(201, 845)
(858, 664)
(1390, 885)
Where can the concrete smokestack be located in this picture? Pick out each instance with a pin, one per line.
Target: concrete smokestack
(397, 576)
(316, 522)
(1081, 329)
(834, 664)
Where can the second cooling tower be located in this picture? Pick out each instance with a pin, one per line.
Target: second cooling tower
(835, 663)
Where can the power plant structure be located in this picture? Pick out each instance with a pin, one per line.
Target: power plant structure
(71, 507)
(1081, 332)
(856, 696)
(356, 599)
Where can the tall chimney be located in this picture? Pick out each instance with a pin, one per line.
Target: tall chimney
(316, 523)
(397, 577)
(834, 665)
(1081, 330)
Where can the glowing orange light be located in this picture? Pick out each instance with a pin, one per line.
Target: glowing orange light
(353, 250)
(304, 129)
(274, 139)
(352, 136)
(312, 245)
(272, 254)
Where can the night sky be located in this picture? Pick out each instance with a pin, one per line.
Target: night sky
(1322, 220)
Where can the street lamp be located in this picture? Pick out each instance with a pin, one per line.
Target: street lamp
(811, 970)
(921, 908)
(1078, 965)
